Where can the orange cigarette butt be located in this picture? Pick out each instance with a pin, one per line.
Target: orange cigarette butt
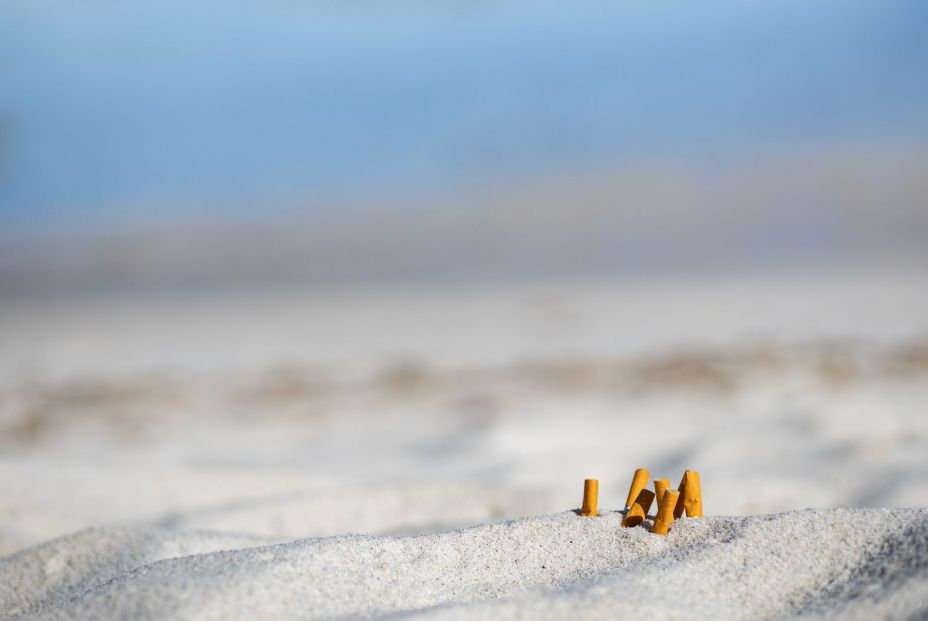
(639, 482)
(590, 497)
(690, 496)
(678, 509)
(665, 507)
(692, 500)
(639, 509)
(660, 486)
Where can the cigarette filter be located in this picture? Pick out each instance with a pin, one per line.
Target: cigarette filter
(665, 509)
(693, 495)
(639, 482)
(660, 486)
(690, 496)
(590, 497)
(639, 509)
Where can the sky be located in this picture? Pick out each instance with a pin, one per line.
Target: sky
(158, 108)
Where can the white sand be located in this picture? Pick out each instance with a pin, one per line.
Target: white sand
(175, 427)
(63, 569)
(870, 562)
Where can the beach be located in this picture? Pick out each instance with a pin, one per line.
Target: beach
(414, 452)
(340, 310)
(863, 563)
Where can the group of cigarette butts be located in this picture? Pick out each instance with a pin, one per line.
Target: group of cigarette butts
(670, 503)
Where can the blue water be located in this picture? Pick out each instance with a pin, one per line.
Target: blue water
(109, 106)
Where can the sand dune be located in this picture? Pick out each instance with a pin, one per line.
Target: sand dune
(554, 566)
(60, 570)
(357, 454)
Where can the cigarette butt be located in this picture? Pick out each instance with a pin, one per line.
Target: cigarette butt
(590, 497)
(660, 486)
(639, 482)
(693, 495)
(665, 509)
(639, 509)
(690, 496)
(678, 510)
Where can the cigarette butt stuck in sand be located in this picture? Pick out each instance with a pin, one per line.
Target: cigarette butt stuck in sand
(590, 497)
(639, 482)
(665, 507)
(639, 509)
(660, 486)
(692, 501)
(678, 509)
(690, 498)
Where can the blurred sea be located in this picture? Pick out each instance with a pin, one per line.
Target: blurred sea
(173, 142)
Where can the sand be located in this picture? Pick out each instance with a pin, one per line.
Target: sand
(381, 453)
(865, 563)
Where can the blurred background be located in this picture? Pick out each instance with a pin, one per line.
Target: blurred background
(299, 268)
